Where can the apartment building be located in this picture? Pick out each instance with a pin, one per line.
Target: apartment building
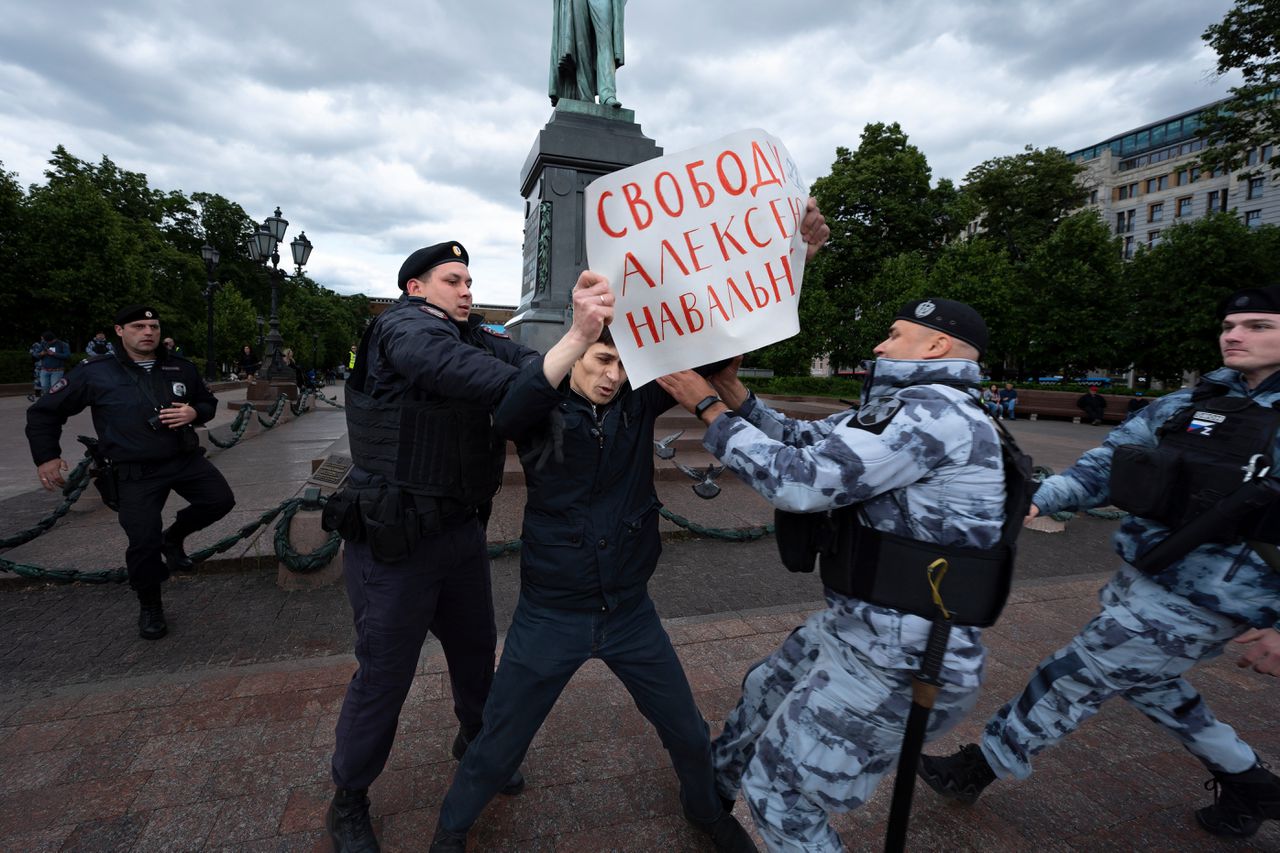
(1141, 181)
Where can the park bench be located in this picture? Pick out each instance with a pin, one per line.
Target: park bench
(1036, 402)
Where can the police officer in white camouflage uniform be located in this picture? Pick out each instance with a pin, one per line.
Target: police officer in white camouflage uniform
(1154, 627)
(821, 720)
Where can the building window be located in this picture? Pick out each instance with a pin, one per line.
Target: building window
(1128, 247)
(1251, 158)
(1124, 221)
(1153, 237)
(1255, 187)
(1184, 206)
(1265, 156)
(1155, 212)
(1253, 218)
(1093, 196)
(1216, 201)
(1157, 184)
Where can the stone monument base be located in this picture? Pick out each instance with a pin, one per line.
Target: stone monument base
(581, 142)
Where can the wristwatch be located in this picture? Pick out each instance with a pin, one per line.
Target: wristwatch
(704, 404)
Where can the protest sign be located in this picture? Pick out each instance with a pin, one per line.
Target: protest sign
(703, 250)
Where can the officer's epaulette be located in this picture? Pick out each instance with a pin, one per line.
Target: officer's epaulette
(433, 311)
(94, 359)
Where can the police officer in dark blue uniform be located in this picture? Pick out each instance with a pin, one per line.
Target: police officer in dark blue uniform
(145, 403)
(419, 406)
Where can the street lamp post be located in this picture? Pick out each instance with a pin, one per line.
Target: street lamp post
(210, 257)
(315, 352)
(264, 245)
(260, 320)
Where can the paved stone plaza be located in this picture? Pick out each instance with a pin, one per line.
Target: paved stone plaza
(218, 737)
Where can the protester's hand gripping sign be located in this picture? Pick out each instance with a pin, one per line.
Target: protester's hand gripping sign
(703, 250)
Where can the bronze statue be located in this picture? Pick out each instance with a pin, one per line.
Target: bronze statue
(586, 50)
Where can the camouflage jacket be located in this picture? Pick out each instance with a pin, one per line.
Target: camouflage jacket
(1228, 579)
(922, 460)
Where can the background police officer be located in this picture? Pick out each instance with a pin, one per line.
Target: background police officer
(427, 463)
(1154, 627)
(145, 402)
(822, 719)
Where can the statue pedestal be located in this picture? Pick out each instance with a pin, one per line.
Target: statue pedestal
(269, 391)
(581, 142)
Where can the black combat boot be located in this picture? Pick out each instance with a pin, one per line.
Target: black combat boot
(961, 777)
(1241, 802)
(448, 841)
(151, 624)
(727, 835)
(348, 822)
(514, 785)
(174, 555)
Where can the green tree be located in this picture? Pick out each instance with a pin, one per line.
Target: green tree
(879, 204)
(12, 295)
(1248, 40)
(1022, 197)
(233, 326)
(1178, 285)
(979, 273)
(1075, 307)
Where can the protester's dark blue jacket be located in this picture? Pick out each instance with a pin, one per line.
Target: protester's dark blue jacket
(590, 537)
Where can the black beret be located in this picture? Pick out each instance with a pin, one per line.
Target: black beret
(428, 257)
(1255, 300)
(949, 317)
(129, 313)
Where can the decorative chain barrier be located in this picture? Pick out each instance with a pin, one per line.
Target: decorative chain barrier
(285, 552)
(79, 478)
(747, 535)
(76, 483)
(1043, 472)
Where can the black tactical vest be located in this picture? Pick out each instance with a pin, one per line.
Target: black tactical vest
(1205, 452)
(438, 448)
(966, 586)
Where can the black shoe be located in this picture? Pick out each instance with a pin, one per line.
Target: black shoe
(727, 835)
(514, 785)
(348, 822)
(151, 624)
(1241, 802)
(961, 777)
(174, 555)
(447, 841)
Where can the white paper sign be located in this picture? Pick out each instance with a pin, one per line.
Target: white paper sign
(703, 250)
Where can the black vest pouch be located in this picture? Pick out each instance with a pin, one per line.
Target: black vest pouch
(341, 514)
(967, 585)
(391, 524)
(801, 537)
(1144, 481)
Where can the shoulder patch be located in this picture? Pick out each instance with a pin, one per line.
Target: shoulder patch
(58, 386)
(874, 415)
(496, 333)
(433, 311)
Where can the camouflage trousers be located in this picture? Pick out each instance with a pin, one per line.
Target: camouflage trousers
(821, 720)
(1138, 647)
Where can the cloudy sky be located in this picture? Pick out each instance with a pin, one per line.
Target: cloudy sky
(381, 127)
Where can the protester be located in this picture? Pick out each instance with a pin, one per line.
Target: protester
(419, 409)
(145, 403)
(1173, 464)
